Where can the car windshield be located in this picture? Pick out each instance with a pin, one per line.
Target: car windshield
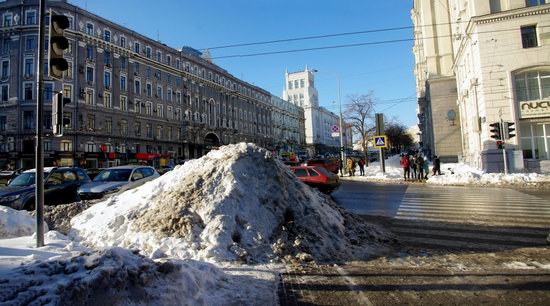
(117, 175)
(25, 179)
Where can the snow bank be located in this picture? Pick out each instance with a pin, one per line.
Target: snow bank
(16, 223)
(115, 277)
(236, 203)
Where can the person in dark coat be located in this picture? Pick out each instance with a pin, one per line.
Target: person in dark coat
(412, 163)
(420, 167)
(437, 165)
(361, 164)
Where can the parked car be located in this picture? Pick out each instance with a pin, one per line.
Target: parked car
(60, 185)
(93, 172)
(331, 164)
(317, 177)
(117, 179)
(8, 175)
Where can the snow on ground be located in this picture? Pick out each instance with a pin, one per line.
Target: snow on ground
(16, 223)
(235, 204)
(453, 174)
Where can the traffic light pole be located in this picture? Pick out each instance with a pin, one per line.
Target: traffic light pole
(39, 192)
(504, 148)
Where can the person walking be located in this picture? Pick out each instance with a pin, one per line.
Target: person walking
(420, 167)
(412, 163)
(437, 165)
(351, 166)
(341, 165)
(426, 168)
(361, 164)
(405, 164)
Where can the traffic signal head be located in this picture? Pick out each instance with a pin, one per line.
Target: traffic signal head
(58, 104)
(509, 130)
(58, 44)
(496, 131)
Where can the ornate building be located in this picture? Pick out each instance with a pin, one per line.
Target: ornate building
(133, 98)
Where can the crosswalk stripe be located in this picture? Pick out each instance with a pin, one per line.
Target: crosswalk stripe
(507, 221)
(476, 208)
(525, 231)
(488, 237)
(476, 211)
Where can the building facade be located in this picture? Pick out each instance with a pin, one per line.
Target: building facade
(300, 90)
(134, 99)
(288, 125)
(501, 62)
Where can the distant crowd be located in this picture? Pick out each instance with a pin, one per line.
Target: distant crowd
(416, 168)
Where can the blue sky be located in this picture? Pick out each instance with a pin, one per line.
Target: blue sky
(386, 69)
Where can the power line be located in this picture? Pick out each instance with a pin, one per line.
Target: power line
(349, 45)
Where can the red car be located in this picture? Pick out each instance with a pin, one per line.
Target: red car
(317, 177)
(331, 164)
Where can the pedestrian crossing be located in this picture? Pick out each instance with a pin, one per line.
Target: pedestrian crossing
(471, 218)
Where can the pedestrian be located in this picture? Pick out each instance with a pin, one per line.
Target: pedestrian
(351, 166)
(420, 167)
(412, 163)
(426, 168)
(437, 165)
(341, 167)
(361, 164)
(405, 164)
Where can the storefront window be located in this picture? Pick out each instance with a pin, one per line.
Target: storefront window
(535, 141)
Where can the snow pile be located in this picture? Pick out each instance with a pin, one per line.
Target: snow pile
(236, 203)
(16, 223)
(113, 277)
(58, 217)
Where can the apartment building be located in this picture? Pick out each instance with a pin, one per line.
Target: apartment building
(288, 125)
(134, 99)
(501, 62)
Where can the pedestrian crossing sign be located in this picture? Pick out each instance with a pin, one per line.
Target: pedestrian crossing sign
(380, 141)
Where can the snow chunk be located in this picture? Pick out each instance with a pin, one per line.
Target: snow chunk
(16, 223)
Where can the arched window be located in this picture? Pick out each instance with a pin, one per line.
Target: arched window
(532, 85)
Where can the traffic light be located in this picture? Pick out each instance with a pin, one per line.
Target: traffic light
(58, 104)
(496, 130)
(58, 44)
(509, 130)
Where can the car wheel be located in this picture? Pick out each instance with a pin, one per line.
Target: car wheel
(30, 205)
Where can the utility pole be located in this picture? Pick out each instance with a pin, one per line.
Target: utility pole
(39, 191)
(380, 131)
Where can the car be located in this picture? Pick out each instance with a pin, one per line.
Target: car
(115, 180)
(93, 172)
(8, 175)
(331, 164)
(60, 185)
(317, 177)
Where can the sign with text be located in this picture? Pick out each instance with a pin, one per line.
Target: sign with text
(534, 109)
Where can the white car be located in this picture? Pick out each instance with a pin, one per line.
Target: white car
(117, 179)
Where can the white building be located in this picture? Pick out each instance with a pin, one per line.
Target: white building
(300, 90)
(288, 125)
(501, 62)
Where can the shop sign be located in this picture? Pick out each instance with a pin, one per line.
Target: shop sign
(535, 109)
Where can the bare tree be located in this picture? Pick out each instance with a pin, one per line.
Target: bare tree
(359, 113)
(398, 137)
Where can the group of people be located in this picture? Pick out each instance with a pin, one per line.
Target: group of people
(351, 165)
(416, 168)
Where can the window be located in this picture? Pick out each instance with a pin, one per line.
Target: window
(107, 79)
(90, 75)
(107, 100)
(123, 127)
(532, 85)
(66, 145)
(30, 17)
(169, 112)
(28, 120)
(48, 92)
(6, 45)
(30, 43)
(535, 140)
(159, 92)
(90, 53)
(137, 128)
(136, 68)
(90, 122)
(148, 52)
(8, 19)
(29, 66)
(137, 106)
(89, 29)
(68, 91)
(178, 63)
(160, 111)
(123, 103)
(149, 130)
(89, 97)
(159, 131)
(107, 35)
(69, 72)
(169, 95)
(148, 108)
(137, 87)
(107, 58)
(529, 36)
(495, 6)
(5, 92)
(149, 89)
(5, 69)
(2, 123)
(123, 82)
(137, 47)
(159, 56)
(302, 85)
(67, 121)
(178, 98)
(123, 62)
(123, 41)
(168, 60)
(535, 2)
(109, 125)
(28, 88)
(90, 147)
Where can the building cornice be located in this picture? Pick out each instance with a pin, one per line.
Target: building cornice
(509, 15)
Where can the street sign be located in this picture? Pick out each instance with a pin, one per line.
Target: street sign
(335, 134)
(380, 141)
(335, 128)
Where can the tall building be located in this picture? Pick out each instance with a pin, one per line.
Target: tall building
(288, 125)
(134, 99)
(300, 90)
(501, 62)
(439, 123)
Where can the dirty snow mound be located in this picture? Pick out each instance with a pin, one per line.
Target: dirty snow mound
(236, 203)
(16, 223)
(111, 277)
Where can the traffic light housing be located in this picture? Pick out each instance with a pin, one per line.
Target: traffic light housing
(496, 131)
(509, 130)
(58, 103)
(58, 43)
